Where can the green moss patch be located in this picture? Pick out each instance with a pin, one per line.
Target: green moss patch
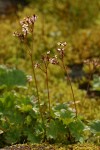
(85, 146)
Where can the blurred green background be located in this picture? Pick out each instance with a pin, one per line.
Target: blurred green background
(76, 22)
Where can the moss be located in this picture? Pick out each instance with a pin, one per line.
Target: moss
(86, 146)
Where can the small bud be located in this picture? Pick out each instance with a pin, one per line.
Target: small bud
(21, 22)
(33, 18)
(62, 49)
(62, 44)
(53, 61)
(45, 58)
(59, 49)
(36, 65)
(14, 34)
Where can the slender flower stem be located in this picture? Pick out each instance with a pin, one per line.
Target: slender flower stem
(27, 25)
(31, 56)
(32, 62)
(64, 67)
(33, 37)
(36, 84)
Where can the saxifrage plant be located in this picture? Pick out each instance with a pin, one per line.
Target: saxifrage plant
(25, 120)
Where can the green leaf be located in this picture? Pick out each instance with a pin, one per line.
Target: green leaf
(64, 113)
(31, 136)
(28, 120)
(56, 130)
(60, 106)
(25, 108)
(95, 127)
(52, 130)
(39, 128)
(13, 135)
(77, 130)
(96, 83)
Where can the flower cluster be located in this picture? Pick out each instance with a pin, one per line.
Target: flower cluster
(19, 35)
(54, 60)
(37, 65)
(47, 59)
(61, 49)
(27, 24)
(26, 27)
